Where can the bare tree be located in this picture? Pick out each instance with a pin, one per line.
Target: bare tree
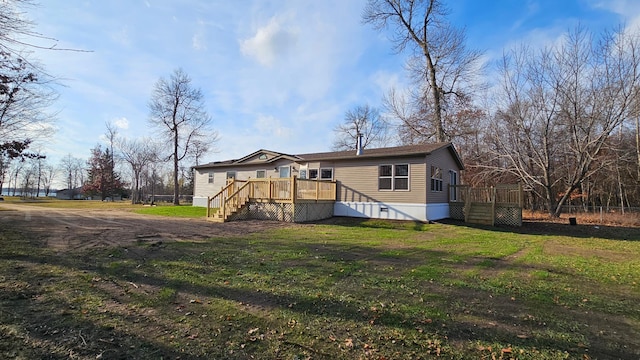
(26, 91)
(178, 110)
(139, 155)
(440, 64)
(73, 170)
(559, 107)
(48, 175)
(362, 120)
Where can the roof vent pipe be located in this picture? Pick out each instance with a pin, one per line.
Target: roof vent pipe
(358, 144)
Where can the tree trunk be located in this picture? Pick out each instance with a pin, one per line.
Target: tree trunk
(638, 143)
(176, 186)
(435, 90)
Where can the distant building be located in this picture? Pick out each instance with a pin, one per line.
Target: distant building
(70, 194)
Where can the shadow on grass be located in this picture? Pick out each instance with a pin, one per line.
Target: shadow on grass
(557, 229)
(342, 298)
(374, 223)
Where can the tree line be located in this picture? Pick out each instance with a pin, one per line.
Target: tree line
(562, 120)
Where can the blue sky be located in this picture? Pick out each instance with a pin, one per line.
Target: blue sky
(276, 74)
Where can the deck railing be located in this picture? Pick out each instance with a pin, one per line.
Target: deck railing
(507, 194)
(283, 190)
(315, 190)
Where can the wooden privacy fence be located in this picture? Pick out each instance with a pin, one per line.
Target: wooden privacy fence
(499, 205)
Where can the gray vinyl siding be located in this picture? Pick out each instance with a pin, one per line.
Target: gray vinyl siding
(358, 181)
(441, 158)
(204, 188)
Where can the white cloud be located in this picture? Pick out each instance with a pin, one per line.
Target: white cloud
(122, 36)
(269, 126)
(270, 42)
(386, 80)
(121, 123)
(198, 43)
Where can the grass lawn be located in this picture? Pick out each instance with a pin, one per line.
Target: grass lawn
(184, 211)
(341, 290)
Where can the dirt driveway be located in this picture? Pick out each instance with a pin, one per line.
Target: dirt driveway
(72, 229)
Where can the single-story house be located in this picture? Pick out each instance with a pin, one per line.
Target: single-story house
(404, 182)
(70, 194)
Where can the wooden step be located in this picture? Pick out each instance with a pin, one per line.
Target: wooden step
(480, 213)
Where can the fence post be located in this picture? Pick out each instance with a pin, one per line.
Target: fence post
(493, 206)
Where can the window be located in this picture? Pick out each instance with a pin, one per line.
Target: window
(231, 174)
(393, 177)
(261, 174)
(285, 171)
(211, 177)
(384, 177)
(262, 157)
(303, 173)
(436, 178)
(326, 174)
(453, 180)
(401, 177)
(313, 174)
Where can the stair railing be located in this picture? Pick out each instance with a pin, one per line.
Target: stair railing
(215, 203)
(235, 200)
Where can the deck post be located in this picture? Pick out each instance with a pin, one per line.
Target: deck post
(293, 189)
(208, 205)
(317, 189)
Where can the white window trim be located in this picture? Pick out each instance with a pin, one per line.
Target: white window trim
(393, 177)
(265, 173)
(408, 177)
(280, 171)
(320, 174)
(317, 174)
(440, 180)
(385, 177)
(235, 174)
(453, 193)
(210, 178)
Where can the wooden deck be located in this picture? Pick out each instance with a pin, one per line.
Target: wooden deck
(237, 194)
(501, 204)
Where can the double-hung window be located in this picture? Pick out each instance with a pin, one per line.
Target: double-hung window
(326, 174)
(393, 177)
(211, 177)
(436, 178)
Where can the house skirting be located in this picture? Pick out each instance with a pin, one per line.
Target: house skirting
(199, 201)
(301, 211)
(394, 211)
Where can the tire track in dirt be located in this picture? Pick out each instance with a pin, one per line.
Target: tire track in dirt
(77, 229)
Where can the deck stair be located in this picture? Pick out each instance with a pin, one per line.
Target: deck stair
(494, 205)
(236, 200)
(480, 213)
(228, 202)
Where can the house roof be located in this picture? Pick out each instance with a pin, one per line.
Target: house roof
(407, 150)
